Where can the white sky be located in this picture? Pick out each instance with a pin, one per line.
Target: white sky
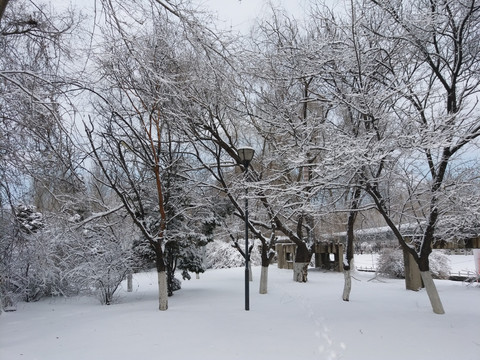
(234, 14)
(240, 14)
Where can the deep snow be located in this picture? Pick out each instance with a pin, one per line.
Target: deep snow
(207, 320)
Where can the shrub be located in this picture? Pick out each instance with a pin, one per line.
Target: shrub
(390, 263)
(221, 255)
(440, 265)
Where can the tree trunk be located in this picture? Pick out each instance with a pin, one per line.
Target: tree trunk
(300, 272)
(302, 260)
(3, 6)
(250, 275)
(413, 279)
(424, 264)
(347, 261)
(197, 275)
(347, 288)
(267, 255)
(162, 279)
(170, 265)
(432, 292)
(129, 282)
(264, 280)
(162, 290)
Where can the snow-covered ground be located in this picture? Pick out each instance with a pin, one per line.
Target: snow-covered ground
(207, 320)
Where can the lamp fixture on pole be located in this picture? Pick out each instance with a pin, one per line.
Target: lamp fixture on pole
(246, 155)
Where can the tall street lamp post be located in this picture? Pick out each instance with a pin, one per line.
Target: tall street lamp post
(246, 155)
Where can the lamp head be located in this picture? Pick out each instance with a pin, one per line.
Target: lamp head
(246, 155)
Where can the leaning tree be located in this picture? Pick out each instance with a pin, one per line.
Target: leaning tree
(436, 77)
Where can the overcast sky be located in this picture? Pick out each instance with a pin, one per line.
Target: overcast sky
(241, 13)
(234, 14)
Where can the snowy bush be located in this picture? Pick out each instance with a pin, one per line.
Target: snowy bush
(29, 261)
(100, 259)
(221, 255)
(390, 263)
(28, 219)
(439, 265)
(102, 270)
(57, 259)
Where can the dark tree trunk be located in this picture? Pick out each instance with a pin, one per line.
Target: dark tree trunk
(302, 259)
(3, 6)
(170, 266)
(347, 264)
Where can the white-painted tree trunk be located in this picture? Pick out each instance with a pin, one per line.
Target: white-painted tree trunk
(162, 291)
(347, 288)
(197, 275)
(264, 280)
(129, 282)
(300, 271)
(432, 292)
(250, 275)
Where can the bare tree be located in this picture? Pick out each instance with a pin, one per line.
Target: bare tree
(438, 79)
(360, 123)
(136, 139)
(35, 56)
(286, 107)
